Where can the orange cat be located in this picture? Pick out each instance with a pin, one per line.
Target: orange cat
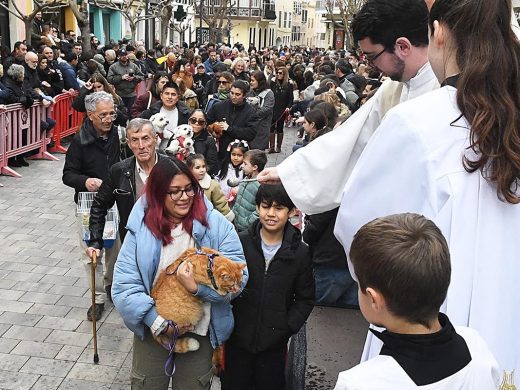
(174, 302)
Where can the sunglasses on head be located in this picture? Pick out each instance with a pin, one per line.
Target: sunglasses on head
(195, 121)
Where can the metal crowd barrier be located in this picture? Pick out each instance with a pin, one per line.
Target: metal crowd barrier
(20, 132)
(68, 120)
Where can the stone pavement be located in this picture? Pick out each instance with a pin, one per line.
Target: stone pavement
(46, 341)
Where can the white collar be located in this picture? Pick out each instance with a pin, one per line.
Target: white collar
(140, 170)
(423, 76)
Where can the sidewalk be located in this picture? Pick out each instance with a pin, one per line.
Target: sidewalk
(45, 339)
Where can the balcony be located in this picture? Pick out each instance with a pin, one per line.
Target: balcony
(268, 12)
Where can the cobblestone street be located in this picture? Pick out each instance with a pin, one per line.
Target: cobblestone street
(46, 341)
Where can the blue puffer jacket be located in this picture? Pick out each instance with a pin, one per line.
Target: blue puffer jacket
(137, 264)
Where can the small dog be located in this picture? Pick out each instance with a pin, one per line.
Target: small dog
(160, 122)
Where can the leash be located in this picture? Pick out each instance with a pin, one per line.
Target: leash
(209, 268)
(169, 366)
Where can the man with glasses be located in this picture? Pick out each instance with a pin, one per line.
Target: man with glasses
(123, 186)
(394, 37)
(70, 39)
(176, 112)
(93, 150)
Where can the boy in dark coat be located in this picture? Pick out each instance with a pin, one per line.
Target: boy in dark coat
(278, 298)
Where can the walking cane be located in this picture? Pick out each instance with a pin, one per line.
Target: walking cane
(93, 265)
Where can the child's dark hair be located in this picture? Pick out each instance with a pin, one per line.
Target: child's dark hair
(257, 157)
(406, 258)
(243, 146)
(190, 160)
(273, 193)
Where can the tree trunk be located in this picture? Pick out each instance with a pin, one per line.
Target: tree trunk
(166, 15)
(133, 28)
(28, 31)
(82, 18)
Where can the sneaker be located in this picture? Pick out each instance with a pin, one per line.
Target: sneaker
(100, 307)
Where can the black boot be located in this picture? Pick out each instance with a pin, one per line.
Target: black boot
(279, 139)
(22, 161)
(13, 163)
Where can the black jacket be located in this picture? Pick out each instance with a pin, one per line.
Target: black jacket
(17, 93)
(242, 120)
(283, 98)
(319, 234)
(277, 302)
(204, 144)
(31, 81)
(184, 112)
(120, 188)
(89, 156)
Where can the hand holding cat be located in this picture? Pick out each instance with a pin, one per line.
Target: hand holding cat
(185, 277)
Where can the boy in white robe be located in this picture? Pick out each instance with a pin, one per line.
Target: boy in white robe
(402, 263)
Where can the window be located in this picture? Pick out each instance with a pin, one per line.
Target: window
(255, 3)
(279, 19)
(304, 16)
(290, 20)
(297, 7)
(285, 20)
(296, 34)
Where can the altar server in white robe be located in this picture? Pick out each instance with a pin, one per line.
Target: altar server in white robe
(453, 155)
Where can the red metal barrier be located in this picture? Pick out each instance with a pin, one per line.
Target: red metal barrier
(20, 132)
(68, 120)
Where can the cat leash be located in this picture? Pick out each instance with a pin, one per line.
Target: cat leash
(169, 366)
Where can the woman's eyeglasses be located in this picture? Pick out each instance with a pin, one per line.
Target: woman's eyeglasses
(195, 121)
(279, 73)
(177, 194)
(223, 82)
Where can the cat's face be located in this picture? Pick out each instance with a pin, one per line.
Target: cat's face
(228, 276)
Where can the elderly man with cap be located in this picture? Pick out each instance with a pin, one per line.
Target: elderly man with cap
(93, 150)
(125, 76)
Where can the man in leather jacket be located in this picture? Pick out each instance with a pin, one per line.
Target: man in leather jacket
(125, 183)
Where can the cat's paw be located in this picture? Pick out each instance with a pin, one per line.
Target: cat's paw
(193, 344)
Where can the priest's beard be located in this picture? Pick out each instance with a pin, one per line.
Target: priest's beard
(398, 69)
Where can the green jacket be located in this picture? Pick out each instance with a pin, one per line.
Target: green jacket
(245, 206)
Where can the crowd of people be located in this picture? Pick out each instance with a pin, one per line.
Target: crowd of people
(409, 156)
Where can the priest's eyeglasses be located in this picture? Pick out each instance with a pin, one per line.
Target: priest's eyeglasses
(372, 59)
